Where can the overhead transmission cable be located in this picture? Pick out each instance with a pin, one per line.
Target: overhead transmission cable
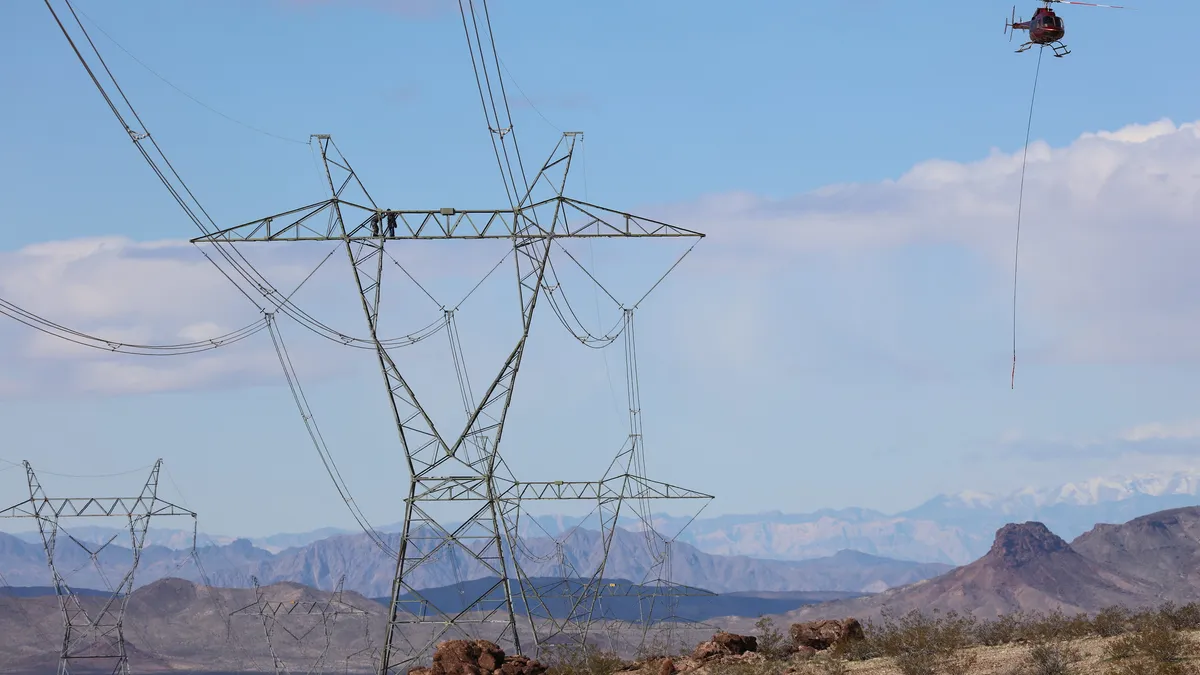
(181, 91)
(276, 302)
(183, 195)
(39, 323)
(61, 332)
(314, 432)
(1020, 203)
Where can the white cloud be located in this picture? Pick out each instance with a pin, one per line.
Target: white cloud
(1108, 269)
(1108, 245)
(135, 293)
(1159, 431)
(1140, 443)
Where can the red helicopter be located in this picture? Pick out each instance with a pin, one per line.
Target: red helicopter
(1046, 28)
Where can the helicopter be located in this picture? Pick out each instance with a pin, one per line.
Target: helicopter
(1046, 27)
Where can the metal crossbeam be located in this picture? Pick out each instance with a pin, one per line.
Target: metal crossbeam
(318, 222)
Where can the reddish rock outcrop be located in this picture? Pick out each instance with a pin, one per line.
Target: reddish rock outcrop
(820, 635)
(708, 650)
(477, 657)
(725, 644)
(736, 644)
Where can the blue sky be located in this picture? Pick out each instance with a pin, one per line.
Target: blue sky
(841, 337)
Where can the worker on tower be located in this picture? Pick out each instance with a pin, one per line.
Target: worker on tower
(391, 223)
(375, 224)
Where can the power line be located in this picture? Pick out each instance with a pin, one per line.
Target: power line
(181, 91)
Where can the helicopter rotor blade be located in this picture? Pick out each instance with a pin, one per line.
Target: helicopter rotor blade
(1089, 4)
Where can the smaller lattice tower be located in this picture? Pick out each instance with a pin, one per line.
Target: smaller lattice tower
(299, 618)
(93, 631)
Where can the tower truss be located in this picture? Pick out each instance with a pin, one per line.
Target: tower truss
(462, 467)
(299, 619)
(94, 636)
(465, 467)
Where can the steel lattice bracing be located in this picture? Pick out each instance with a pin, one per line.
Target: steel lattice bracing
(465, 466)
(298, 613)
(95, 636)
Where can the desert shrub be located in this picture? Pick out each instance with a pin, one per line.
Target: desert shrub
(1186, 617)
(581, 660)
(1049, 658)
(1112, 621)
(1155, 648)
(1055, 626)
(920, 644)
(772, 643)
(1002, 630)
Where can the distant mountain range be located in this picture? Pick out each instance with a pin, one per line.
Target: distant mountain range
(175, 625)
(951, 529)
(368, 570)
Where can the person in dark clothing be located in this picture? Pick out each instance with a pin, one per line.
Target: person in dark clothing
(391, 223)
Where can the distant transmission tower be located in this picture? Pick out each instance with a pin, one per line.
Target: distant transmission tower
(94, 635)
(299, 618)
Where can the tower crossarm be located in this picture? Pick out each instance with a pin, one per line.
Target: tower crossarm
(319, 222)
(94, 507)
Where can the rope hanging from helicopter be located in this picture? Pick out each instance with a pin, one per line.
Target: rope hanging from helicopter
(1020, 204)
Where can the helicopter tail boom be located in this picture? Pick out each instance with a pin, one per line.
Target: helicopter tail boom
(1014, 24)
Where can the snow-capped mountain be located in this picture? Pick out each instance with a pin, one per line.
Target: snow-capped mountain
(955, 529)
(1089, 492)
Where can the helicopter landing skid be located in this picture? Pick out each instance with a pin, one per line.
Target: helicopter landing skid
(1024, 48)
(1060, 50)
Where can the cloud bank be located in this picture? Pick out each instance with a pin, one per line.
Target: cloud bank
(1108, 264)
(1108, 242)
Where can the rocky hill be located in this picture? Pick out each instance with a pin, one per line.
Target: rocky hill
(1143, 562)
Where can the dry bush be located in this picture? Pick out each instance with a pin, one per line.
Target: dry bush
(1186, 617)
(772, 643)
(1155, 648)
(1112, 621)
(1056, 626)
(1049, 658)
(920, 644)
(1002, 630)
(585, 660)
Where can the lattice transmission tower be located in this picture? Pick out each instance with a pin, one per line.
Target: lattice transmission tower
(299, 618)
(460, 468)
(466, 467)
(93, 632)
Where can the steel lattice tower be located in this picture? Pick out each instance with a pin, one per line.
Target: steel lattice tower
(99, 635)
(460, 468)
(466, 467)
